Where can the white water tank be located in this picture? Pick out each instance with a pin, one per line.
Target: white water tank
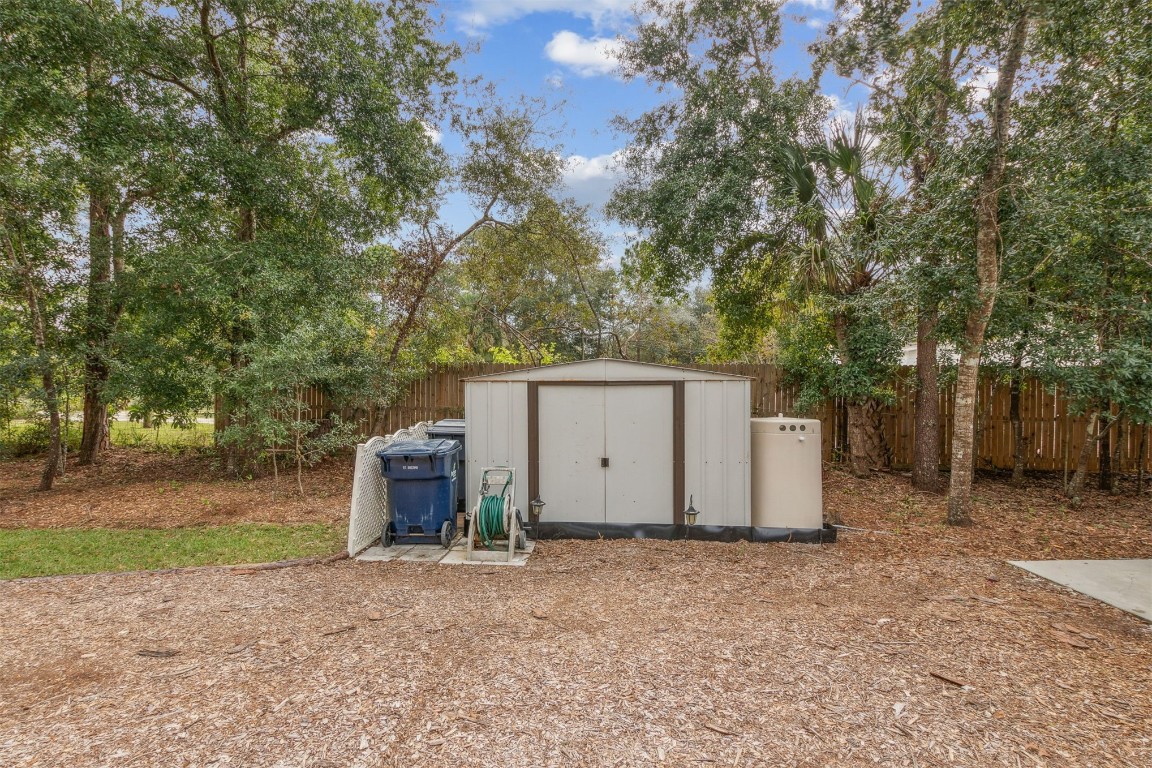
(786, 473)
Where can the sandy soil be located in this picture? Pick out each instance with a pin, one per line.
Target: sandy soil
(915, 646)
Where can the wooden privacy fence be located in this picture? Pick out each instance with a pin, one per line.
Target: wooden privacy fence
(1053, 437)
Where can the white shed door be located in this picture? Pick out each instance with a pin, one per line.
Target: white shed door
(571, 446)
(638, 439)
(627, 427)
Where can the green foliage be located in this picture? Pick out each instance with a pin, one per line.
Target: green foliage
(266, 143)
(812, 358)
(734, 177)
(702, 178)
(544, 354)
(28, 552)
(537, 289)
(30, 438)
(332, 355)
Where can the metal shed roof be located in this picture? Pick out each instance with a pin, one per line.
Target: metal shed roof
(607, 369)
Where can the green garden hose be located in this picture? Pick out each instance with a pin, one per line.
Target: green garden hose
(490, 517)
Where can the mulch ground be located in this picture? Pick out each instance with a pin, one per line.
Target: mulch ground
(912, 645)
(139, 489)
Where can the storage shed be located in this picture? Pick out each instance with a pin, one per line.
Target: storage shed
(615, 444)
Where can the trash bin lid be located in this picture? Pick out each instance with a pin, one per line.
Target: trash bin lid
(447, 427)
(419, 448)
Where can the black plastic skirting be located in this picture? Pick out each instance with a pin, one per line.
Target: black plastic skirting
(726, 533)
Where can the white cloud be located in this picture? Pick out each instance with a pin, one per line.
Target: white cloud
(982, 82)
(589, 180)
(432, 132)
(840, 111)
(815, 23)
(816, 5)
(479, 15)
(555, 80)
(586, 56)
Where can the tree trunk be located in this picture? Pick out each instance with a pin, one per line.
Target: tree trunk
(843, 447)
(868, 447)
(1017, 420)
(926, 450)
(297, 447)
(236, 456)
(43, 362)
(98, 330)
(1118, 446)
(1075, 488)
(1143, 454)
(987, 281)
(1104, 476)
(963, 436)
(47, 378)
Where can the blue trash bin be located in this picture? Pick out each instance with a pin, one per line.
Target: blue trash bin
(453, 429)
(421, 477)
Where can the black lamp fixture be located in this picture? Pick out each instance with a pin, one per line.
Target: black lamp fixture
(690, 513)
(535, 509)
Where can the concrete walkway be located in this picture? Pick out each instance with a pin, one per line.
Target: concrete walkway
(1125, 584)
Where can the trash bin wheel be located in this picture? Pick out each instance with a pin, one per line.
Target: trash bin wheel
(521, 540)
(446, 534)
(387, 538)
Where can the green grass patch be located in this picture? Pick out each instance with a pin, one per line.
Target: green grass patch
(131, 434)
(53, 552)
(27, 438)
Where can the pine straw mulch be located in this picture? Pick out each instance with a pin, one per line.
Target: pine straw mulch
(917, 648)
(131, 488)
(1033, 522)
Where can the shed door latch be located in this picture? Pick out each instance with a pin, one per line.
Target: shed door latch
(604, 462)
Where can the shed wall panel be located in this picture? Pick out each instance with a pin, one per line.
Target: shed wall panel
(716, 451)
(739, 451)
(496, 427)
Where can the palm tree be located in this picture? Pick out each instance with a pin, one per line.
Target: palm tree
(833, 252)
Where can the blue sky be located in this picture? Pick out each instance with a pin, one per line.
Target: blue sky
(562, 50)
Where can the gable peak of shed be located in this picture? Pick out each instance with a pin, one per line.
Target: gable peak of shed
(608, 369)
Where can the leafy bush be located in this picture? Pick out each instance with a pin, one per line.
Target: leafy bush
(31, 438)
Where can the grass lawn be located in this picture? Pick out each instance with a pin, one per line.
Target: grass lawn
(21, 438)
(51, 552)
(131, 434)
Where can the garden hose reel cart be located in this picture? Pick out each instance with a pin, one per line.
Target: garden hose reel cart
(494, 518)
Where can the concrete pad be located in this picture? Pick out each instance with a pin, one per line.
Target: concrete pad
(1125, 584)
(459, 554)
(434, 553)
(378, 554)
(423, 553)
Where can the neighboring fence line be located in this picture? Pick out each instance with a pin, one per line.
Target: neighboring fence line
(1054, 437)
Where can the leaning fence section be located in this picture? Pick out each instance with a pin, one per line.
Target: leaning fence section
(1053, 436)
(370, 491)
